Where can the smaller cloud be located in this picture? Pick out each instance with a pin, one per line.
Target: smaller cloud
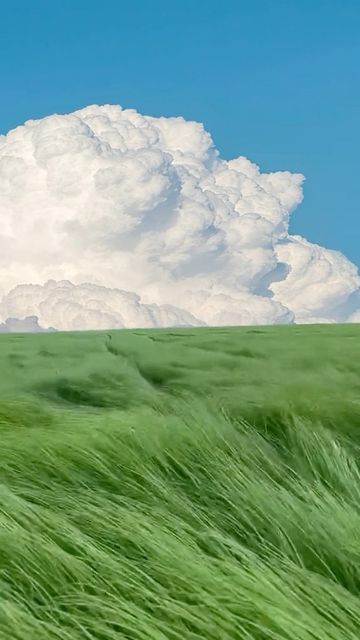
(30, 324)
(81, 307)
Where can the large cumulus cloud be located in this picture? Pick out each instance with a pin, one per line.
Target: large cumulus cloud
(161, 229)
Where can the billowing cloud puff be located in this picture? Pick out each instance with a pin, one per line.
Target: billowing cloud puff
(132, 203)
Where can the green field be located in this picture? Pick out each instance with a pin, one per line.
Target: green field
(181, 484)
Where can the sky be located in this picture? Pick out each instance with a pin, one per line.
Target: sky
(276, 81)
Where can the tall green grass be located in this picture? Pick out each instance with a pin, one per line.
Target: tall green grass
(167, 485)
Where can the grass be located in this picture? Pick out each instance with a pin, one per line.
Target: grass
(181, 484)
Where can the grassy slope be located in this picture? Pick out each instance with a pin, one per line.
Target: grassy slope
(181, 484)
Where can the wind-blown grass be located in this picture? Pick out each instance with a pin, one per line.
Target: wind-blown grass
(180, 485)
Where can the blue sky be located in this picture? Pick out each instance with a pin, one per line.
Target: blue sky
(275, 80)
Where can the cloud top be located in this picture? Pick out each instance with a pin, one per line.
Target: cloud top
(164, 230)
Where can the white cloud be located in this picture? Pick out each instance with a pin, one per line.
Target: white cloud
(140, 204)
